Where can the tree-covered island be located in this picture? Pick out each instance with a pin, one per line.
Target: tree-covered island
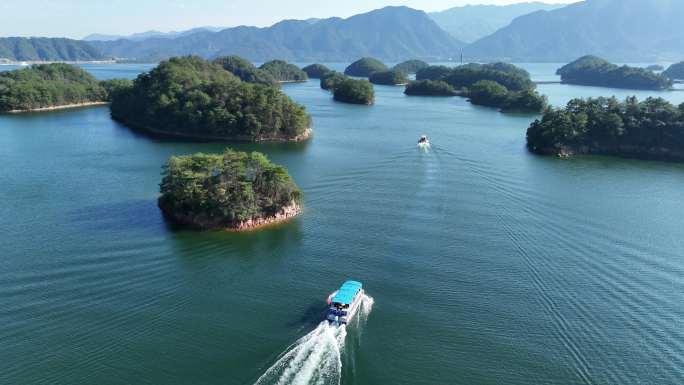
(389, 78)
(651, 129)
(231, 191)
(594, 71)
(188, 97)
(330, 79)
(50, 86)
(246, 71)
(430, 88)
(411, 66)
(316, 71)
(499, 85)
(284, 72)
(354, 91)
(364, 67)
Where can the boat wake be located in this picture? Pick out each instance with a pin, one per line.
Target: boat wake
(316, 358)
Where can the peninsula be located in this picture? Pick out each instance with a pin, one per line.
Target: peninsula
(594, 71)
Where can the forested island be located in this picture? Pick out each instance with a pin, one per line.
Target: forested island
(411, 66)
(499, 85)
(675, 71)
(50, 86)
(389, 78)
(316, 71)
(190, 98)
(284, 72)
(364, 67)
(231, 191)
(430, 88)
(594, 71)
(348, 90)
(652, 129)
(245, 70)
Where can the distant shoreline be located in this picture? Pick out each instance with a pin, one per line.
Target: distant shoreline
(4, 62)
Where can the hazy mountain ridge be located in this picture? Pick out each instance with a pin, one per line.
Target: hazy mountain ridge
(619, 30)
(471, 22)
(150, 34)
(47, 49)
(390, 33)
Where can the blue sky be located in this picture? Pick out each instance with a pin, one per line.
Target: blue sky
(78, 18)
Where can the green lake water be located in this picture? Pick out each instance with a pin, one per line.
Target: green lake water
(487, 265)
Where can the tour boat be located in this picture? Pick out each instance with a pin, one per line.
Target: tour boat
(344, 303)
(423, 142)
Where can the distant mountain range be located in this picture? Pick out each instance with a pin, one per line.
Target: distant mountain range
(47, 49)
(472, 22)
(391, 33)
(150, 34)
(618, 30)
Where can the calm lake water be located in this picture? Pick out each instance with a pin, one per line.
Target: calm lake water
(488, 265)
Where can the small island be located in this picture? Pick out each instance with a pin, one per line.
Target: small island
(499, 85)
(354, 91)
(316, 71)
(364, 67)
(651, 129)
(389, 78)
(230, 191)
(246, 71)
(284, 72)
(655, 67)
(594, 71)
(411, 66)
(492, 94)
(433, 73)
(675, 71)
(48, 87)
(330, 79)
(430, 88)
(190, 98)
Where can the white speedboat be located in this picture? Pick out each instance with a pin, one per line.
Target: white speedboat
(423, 142)
(345, 303)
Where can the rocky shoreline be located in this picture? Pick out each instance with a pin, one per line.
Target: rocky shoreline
(631, 152)
(56, 108)
(203, 223)
(179, 135)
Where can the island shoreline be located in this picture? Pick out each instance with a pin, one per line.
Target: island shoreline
(57, 108)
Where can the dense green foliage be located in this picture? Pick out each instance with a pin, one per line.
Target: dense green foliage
(492, 94)
(245, 70)
(652, 128)
(500, 85)
(330, 79)
(508, 75)
(222, 191)
(594, 71)
(190, 97)
(113, 87)
(364, 67)
(675, 71)
(411, 66)
(282, 71)
(430, 88)
(354, 91)
(389, 77)
(48, 85)
(433, 73)
(316, 71)
(47, 49)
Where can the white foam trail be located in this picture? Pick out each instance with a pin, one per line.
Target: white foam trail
(315, 358)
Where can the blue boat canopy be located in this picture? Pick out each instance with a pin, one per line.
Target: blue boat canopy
(345, 295)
